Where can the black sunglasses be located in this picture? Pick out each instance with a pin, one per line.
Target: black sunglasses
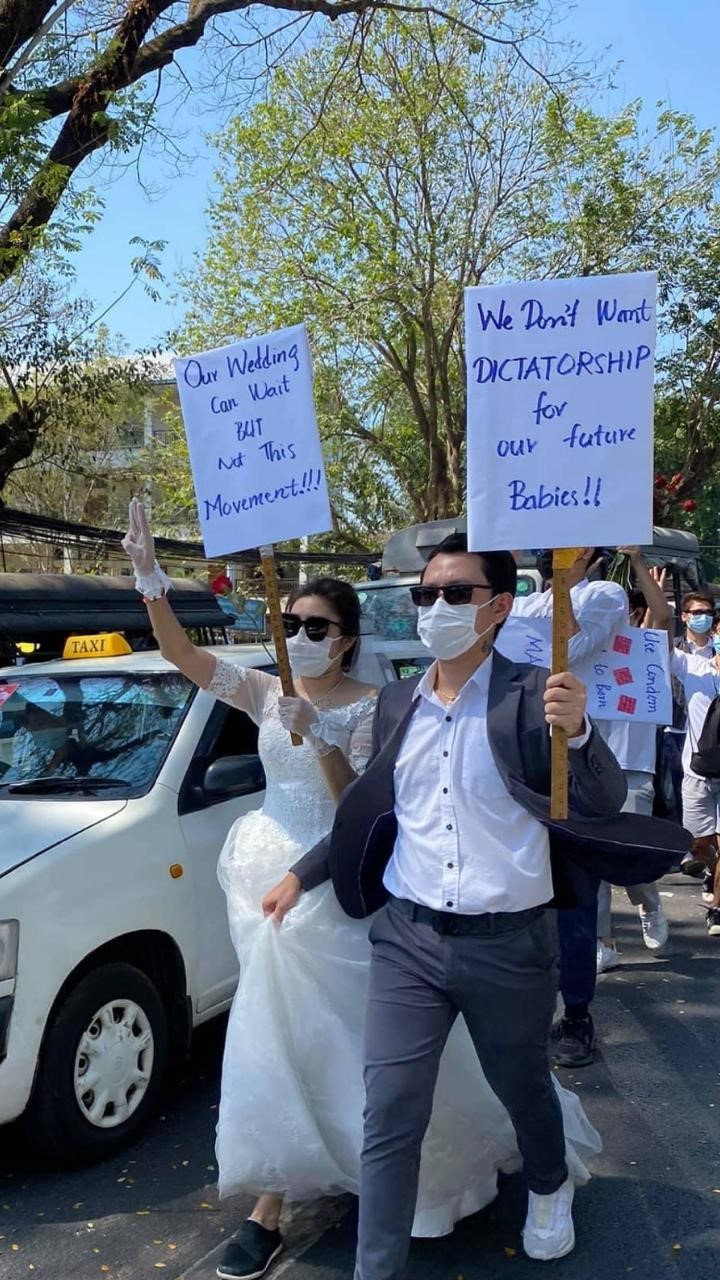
(315, 628)
(453, 593)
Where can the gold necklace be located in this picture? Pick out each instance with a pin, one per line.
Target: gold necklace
(446, 698)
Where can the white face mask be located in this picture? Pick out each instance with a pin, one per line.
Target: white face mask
(310, 657)
(448, 630)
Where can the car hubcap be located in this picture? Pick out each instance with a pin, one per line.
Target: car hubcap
(114, 1063)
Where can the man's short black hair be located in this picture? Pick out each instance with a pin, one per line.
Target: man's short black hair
(499, 567)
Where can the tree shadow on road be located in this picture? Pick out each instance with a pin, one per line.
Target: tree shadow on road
(625, 1227)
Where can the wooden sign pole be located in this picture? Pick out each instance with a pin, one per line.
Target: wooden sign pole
(563, 560)
(277, 631)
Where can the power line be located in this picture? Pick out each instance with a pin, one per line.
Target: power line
(84, 537)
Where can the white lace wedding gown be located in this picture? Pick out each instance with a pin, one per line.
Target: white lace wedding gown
(292, 1096)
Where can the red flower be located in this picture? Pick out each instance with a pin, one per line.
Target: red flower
(220, 585)
(677, 479)
(689, 505)
(661, 482)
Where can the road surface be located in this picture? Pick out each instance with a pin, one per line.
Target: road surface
(652, 1208)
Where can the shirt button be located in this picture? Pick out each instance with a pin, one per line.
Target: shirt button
(448, 718)
(445, 791)
(446, 754)
(450, 866)
(449, 826)
(448, 904)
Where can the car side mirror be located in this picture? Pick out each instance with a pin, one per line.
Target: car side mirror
(233, 776)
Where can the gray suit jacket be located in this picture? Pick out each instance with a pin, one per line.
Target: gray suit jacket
(596, 843)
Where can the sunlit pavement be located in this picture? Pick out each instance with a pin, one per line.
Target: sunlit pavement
(652, 1209)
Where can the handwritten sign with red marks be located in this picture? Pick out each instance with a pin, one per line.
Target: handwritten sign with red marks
(644, 679)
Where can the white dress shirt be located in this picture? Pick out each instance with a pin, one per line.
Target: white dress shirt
(634, 746)
(701, 681)
(700, 650)
(600, 608)
(463, 843)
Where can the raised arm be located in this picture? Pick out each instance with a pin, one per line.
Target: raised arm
(243, 688)
(655, 597)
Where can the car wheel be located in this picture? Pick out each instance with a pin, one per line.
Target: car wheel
(102, 1066)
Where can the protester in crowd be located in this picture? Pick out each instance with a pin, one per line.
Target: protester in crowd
(700, 680)
(635, 748)
(599, 609)
(290, 1121)
(698, 612)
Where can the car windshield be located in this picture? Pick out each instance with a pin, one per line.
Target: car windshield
(389, 612)
(115, 727)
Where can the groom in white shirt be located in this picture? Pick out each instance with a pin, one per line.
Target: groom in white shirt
(450, 827)
(465, 930)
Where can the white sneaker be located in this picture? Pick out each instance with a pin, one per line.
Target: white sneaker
(607, 957)
(549, 1232)
(654, 928)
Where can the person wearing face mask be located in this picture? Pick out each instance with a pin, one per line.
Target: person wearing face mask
(290, 1120)
(269, 1067)
(699, 677)
(448, 834)
(598, 609)
(634, 746)
(698, 612)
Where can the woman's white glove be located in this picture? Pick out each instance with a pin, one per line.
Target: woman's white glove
(297, 715)
(139, 545)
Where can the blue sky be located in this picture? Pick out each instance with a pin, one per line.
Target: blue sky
(667, 50)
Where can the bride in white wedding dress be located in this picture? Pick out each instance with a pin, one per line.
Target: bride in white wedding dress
(290, 1122)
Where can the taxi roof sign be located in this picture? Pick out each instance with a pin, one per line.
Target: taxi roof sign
(107, 644)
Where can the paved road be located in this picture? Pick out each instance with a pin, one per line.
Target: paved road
(652, 1209)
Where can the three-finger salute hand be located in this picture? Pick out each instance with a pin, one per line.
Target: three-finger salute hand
(565, 703)
(138, 542)
(282, 898)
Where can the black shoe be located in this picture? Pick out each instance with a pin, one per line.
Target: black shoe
(576, 1045)
(692, 866)
(707, 888)
(251, 1254)
(713, 922)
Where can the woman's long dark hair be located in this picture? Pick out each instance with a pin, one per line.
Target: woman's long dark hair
(345, 602)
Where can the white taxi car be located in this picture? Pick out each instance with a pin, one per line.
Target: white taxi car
(118, 783)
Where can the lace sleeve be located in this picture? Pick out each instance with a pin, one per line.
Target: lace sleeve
(361, 741)
(350, 729)
(241, 687)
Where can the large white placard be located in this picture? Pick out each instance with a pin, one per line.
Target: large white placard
(630, 680)
(560, 412)
(254, 445)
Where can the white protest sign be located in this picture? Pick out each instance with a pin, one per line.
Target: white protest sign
(560, 412)
(254, 445)
(526, 640)
(630, 680)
